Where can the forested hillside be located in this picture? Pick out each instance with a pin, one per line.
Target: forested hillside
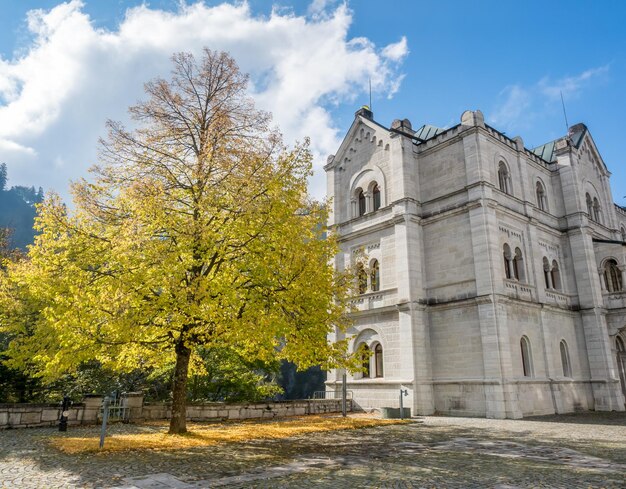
(17, 210)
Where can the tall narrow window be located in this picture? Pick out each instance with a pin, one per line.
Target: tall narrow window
(518, 266)
(597, 213)
(365, 358)
(506, 254)
(378, 357)
(623, 233)
(376, 197)
(527, 361)
(546, 272)
(589, 203)
(361, 278)
(612, 276)
(567, 369)
(504, 178)
(541, 196)
(361, 199)
(555, 275)
(375, 276)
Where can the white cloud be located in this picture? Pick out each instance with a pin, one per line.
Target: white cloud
(397, 51)
(55, 97)
(518, 106)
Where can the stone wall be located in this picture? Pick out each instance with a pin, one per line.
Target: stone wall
(37, 415)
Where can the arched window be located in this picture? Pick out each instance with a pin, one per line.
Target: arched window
(361, 202)
(365, 358)
(527, 359)
(567, 369)
(518, 266)
(546, 272)
(504, 179)
(589, 203)
(375, 276)
(597, 212)
(506, 254)
(623, 232)
(555, 275)
(378, 357)
(361, 278)
(376, 197)
(619, 345)
(541, 197)
(612, 276)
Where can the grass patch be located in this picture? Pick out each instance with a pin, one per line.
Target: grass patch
(202, 435)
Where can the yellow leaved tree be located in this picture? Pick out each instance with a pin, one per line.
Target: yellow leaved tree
(196, 230)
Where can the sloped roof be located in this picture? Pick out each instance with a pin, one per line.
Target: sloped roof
(546, 151)
(427, 132)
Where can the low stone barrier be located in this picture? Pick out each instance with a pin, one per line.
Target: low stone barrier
(259, 410)
(34, 415)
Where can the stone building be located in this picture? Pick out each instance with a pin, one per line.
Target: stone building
(492, 277)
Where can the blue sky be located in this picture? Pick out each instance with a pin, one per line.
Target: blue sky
(80, 63)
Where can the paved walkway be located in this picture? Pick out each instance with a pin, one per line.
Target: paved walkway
(583, 450)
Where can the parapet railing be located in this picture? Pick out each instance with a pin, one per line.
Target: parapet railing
(323, 395)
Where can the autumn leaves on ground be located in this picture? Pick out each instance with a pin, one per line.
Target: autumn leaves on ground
(153, 436)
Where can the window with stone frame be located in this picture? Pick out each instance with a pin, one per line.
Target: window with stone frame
(597, 211)
(542, 202)
(504, 178)
(623, 233)
(589, 203)
(612, 276)
(361, 203)
(375, 197)
(555, 275)
(506, 254)
(518, 266)
(364, 351)
(375, 276)
(567, 368)
(527, 360)
(361, 278)
(378, 360)
(546, 272)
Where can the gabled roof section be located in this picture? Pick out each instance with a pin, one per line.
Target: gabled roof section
(576, 134)
(427, 132)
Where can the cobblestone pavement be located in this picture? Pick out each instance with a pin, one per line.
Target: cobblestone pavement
(583, 450)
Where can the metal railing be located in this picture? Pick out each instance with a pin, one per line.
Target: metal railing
(322, 395)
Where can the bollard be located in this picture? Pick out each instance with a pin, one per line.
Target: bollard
(105, 417)
(344, 394)
(406, 393)
(65, 405)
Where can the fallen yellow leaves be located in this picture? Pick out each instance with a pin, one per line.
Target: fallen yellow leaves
(202, 434)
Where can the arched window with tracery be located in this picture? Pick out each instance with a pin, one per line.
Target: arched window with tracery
(504, 178)
(527, 359)
(567, 368)
(506, 255)
(361, 278)
(375, 276)
(376, 197)
(361, 202)
(378, 360)
(555, 275)
(541, 196)
(589, 203)
(612, 276)
(518, 266)
(546, 272)
(365, 360)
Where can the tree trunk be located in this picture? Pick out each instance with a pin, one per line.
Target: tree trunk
(178, 422)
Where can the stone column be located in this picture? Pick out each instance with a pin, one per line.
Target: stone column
(134, 402)
(92, 404)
